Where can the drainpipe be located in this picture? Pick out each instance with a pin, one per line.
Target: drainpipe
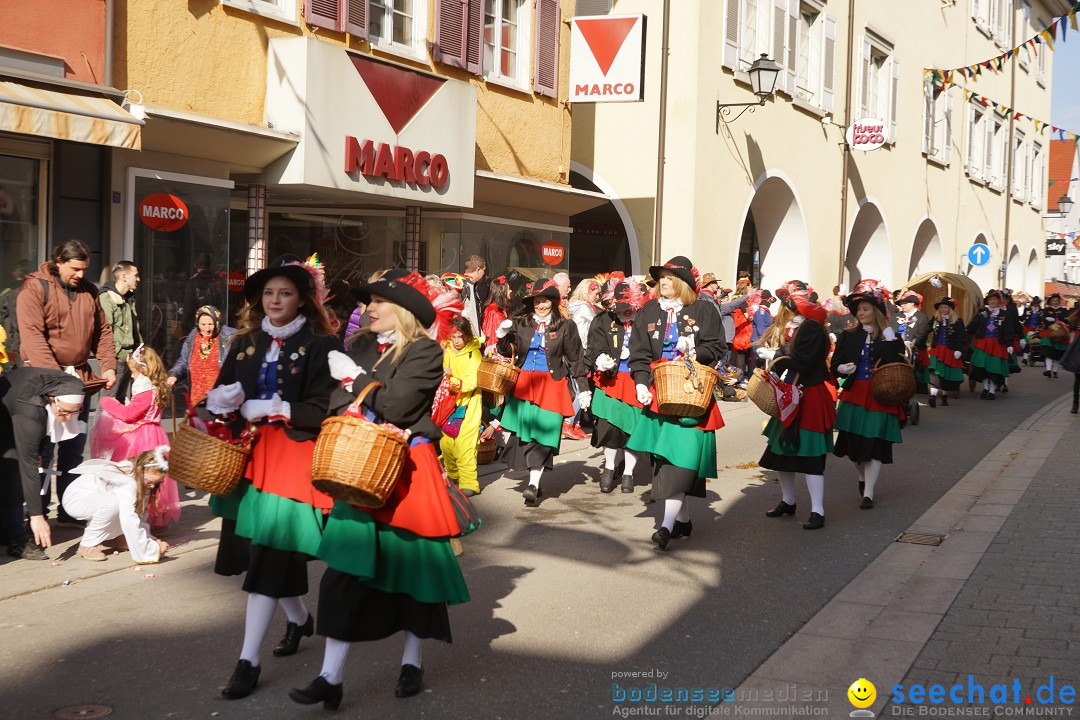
(851, 70)
(661, 144)
(1010, 153)
(110, 14)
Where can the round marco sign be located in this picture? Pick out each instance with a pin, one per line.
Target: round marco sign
(553, 253)
(867, 134)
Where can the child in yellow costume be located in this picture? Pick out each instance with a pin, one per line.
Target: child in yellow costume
(461, 359)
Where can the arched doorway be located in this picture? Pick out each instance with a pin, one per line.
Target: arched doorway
(869, 254)
(985, 276)
(1033, 278)
(774, 245)
(603, 238)
(926, 253)
(1014, 271)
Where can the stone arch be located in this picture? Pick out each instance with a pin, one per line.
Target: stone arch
(869, 252)
(986, 276)
(1014, 270)
(774, 244)
(927, 254)
(1033, 284)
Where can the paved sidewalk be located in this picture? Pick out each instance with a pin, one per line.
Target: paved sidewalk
(996, 600)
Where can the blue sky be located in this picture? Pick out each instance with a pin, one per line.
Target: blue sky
(1065, 101)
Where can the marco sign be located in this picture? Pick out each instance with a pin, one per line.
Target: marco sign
(607, 59)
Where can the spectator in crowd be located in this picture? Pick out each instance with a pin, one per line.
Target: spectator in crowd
(475, 267)
(762, 319)
(59, 328)
(117, 299)
(203, 353)
(562, 281)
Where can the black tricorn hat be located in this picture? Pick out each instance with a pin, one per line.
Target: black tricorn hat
(679, 266)
(409, 290)
(289, 266)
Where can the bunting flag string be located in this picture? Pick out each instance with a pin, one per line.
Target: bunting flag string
(1046, 36)
(970, 96)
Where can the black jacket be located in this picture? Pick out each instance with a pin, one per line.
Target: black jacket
(918, 329)
(647, 337)
(807, 354)
(1052, 315)
(955, 334)
(1006, 328)
(850, 344)
(24, 393)
(408, 386)
(606, 335)
(562, 342)
(304, 382)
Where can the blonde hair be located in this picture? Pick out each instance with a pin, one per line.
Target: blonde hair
(686, 294)
(586, 286)
(409, 330)
(774, 336)
(153, 367)
(138, 471)
(880, 323)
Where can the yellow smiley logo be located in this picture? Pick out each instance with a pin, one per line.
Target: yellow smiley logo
(862, 693)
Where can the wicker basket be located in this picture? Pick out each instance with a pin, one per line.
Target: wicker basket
(356, 460)
(761, 394)
(893, 383)
(204, 462)
(497, 375)
(485, 452)
(1058, 332)
(684, 388)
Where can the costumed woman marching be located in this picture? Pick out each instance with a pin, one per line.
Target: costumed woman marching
(548, 348)
(277, 376)
(798, 345)
(1052, 345)
(867, 429)
(615, 402)
(991, 331)
(914, 329)
(947, 339)
(390, 569)
(675, 325)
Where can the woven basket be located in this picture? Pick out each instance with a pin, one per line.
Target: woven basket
(206, 463)
(893, 383)
(684, 388)
(485, 452)
(761, 394)
(356, 460)
(497, 375)
(1058, 332)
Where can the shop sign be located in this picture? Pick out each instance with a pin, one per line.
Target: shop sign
(607, 58)
(1055, 247)
(552, 253)
(236, 282)
(396, 163)
(867, 134)
(163, 212)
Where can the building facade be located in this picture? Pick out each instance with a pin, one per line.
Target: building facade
(1062, 221)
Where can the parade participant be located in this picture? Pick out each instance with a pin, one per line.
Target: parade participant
(461, 360)
(277, 376)
(992, 337)
(675, 325)
(583, 305)
(390, 569)
(1032, 319)
(114, 498)
(914, 330)
(123, 431)
(548, 349)
(867, 429)
(203, 353)
(614, 401)
(496, 311)
(1012, 317)
(802, 446)
(1052, 350)
(947, 339)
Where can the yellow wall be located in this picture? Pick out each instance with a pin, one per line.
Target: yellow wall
(202, 57)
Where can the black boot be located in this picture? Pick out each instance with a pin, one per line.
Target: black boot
(816, 522)
(682, 529)
(607, 480)
(409, 682)
(244, 680)
(933, 400)
(293, 632)
(318, 691)
(628, 483)
(661, 537)
(782, 509)
(532, 495)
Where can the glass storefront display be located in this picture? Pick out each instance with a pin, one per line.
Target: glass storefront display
(20, 198)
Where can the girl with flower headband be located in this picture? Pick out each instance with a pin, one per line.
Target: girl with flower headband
(113, 497)
(123, 431)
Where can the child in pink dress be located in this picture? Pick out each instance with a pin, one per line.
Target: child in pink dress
(123, 431)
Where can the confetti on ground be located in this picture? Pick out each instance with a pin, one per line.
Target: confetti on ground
(66, 583)
(54, 564)
(149, 576)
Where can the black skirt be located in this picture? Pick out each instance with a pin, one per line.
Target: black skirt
(351, 611)
(669, 480)
(814, 465)
(528, 456)
(276, 573)
(606, 435)
(233, 553)
(862, 449)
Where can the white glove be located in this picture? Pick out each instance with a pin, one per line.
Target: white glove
(258, 409)
(889, 334)
(643, 395)
(909, 344)
(957, 354)
(766, 353)
(342, 366)
(846, 368)
(225, 399)
(491, 351)
(584, 399)
(1023, 343)
(504, 328)
(1009, 349)
(832, 338)
(685, 345)
(605, 362)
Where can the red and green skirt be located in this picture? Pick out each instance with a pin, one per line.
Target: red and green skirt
(989, 359)
(866, 429)
(615, 402)
(1049, 348)
(814, 423)
(537, 408)
(685, 442)
(948, 368)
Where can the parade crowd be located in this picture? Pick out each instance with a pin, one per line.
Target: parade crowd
(588, 363)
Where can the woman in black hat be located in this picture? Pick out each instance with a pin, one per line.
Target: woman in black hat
(277, 377)
(683, 449)
(867, 430)
(548, 349)
(390, 569)
(1052, 350)
(914, 328)
(948, 336)
(991, 331)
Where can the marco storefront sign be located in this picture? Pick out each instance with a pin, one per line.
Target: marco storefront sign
(399, 164)
(163, 212)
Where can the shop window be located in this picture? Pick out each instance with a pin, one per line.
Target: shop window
(506, 34)
(398, 25)
(879, 76)
(20, 217)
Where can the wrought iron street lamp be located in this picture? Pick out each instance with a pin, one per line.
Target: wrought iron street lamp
(763, 75)
(1065, 204)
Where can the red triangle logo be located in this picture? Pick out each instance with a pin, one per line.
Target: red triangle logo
(400, 93)
(605, 37)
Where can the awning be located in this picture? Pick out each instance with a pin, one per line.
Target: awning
(535, 195)
(65, 116)
(239, 145)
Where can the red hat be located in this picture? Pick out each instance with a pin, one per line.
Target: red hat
(796, 297)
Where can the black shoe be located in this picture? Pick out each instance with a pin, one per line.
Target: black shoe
(26, 550)
(628, 483)
(607, 480)
(991, 396)
(319, 690)
(244, 680)
(1075, 408)
(532, 495)
(1046, 373)
(862, 488)
(944, 401)
(816, 522)
(1055, 373)
(661, 537)
(293, 632)
(782, 509)
(1004, 388)
(409, 682)
(647, 498)
(866, 504)
(985, 392)
(682, 529)
(933, 401)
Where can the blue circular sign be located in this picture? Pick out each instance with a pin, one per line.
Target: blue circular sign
(978, 254)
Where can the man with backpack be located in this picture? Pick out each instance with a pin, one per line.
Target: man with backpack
(60, 323)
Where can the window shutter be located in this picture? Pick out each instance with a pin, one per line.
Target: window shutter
(928, 116)
(794, 17)
(779, 43)
(894, 92)
(976, 10)
(864, 79)
(451, 23)
(988, 149)
(592, 7)
(546, 70)
(947, 141)
(994, 31)
(327, 14)
(474, 38)
(730, 59)
(356, 22)
(969, 166)
(829, 71)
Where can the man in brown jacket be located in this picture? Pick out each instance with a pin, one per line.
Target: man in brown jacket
(59, 329)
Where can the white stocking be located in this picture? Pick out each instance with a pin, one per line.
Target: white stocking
(333, 663)
(873, 469)
(630, 461)
(609, 458)
(787, 486)
(413, 647)
(684, 514)
(934, 390)
(672, 508)
(816, 485)
(1049, 363)
(294, 609)
(260, 610)
(534, 476)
